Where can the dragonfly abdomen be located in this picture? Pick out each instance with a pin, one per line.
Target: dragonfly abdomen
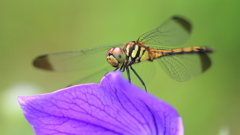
(157, 53)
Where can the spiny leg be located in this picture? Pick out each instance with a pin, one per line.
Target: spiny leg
(139, 78)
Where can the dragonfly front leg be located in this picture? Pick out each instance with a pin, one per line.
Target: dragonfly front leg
(116, 69)
(122, 69)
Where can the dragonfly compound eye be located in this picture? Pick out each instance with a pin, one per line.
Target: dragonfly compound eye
(116, 56)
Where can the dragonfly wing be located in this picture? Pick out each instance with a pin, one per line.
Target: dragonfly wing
(93, 76)
(75, 60)
(184, 67)
(146, 70)
(174, 31)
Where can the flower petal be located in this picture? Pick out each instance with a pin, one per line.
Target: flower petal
(113, 107)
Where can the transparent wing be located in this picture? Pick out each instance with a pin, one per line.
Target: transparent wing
(174, 31)
(146, 70)
(93, 76)
(75, 60)
(183, 67)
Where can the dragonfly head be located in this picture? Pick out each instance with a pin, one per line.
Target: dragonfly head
(116, 57)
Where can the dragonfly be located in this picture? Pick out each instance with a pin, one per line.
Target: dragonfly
(180, 63)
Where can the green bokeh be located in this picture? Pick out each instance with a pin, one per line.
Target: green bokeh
(28, 29)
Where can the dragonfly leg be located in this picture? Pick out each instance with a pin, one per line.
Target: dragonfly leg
(116, 69)
(128, 74)
(139, 78)
(122, 68)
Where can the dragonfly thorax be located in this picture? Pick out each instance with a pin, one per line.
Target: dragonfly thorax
(116, 57)
(136, 52)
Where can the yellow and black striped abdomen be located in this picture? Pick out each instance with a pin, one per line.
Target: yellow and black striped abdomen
(157, 53)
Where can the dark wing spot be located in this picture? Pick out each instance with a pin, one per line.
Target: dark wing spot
(205, 61)
(42, 62)
(184, 23)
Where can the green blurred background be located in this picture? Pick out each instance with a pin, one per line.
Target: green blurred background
(208, 104)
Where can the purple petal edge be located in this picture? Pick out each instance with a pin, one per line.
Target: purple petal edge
(112, 107)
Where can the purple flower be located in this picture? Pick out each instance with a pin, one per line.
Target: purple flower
(114, 107)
